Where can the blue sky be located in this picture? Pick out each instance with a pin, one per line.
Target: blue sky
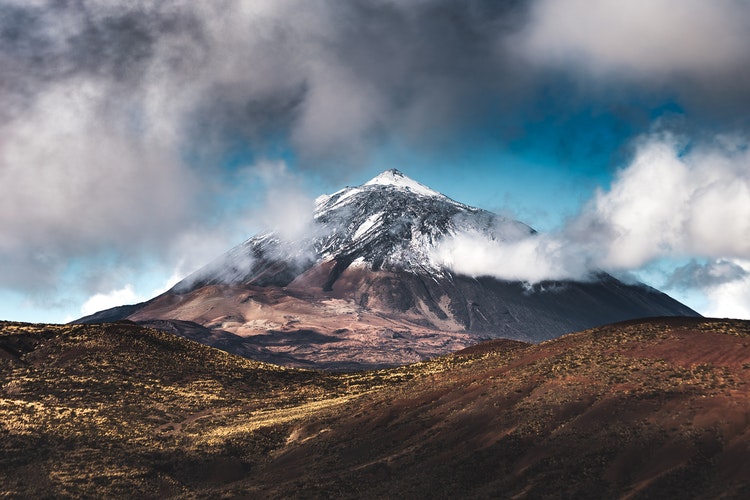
(138, 142)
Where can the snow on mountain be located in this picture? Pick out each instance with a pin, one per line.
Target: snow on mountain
(398, 180)
(391, 222)
(394, 222)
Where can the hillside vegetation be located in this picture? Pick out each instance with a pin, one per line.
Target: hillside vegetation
(644, 408)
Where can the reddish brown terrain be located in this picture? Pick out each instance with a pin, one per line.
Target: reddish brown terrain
(645, 409)
(657, 409)
(302, 327)
(370, 319)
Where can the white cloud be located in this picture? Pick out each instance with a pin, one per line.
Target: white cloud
(730, 300)
(171, 281)
(727, 288)
(74, 180)
(119, 297)
(532, 258)
(639, 38)
(671, 201)
(287, 209)
(126, 295)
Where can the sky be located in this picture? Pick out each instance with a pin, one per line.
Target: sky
(140, 139)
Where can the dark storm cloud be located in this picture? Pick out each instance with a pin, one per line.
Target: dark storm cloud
(43, 43)
(691, 50)
(336, 78)
(116, 116)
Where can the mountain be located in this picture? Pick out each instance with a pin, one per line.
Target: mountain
(361, 287)
(655, 408)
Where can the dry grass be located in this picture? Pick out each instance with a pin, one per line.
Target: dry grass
(122, 411)
(115, 409)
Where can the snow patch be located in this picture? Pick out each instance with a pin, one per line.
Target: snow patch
(345, 195)
(368, 224)
(359, 263)
(395, 178)
(321, 200)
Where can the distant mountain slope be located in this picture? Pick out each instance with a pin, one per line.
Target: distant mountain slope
(362, 289)
(643, 409)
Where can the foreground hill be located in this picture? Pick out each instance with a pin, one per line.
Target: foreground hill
(653, 408)
(365, 287)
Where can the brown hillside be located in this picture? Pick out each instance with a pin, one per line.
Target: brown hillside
(656, 408)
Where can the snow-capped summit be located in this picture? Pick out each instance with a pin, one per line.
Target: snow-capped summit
(394, 222)
(397, 179)
(391, 223)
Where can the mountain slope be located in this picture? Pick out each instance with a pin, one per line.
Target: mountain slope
(645, 409)
(390, 223)
(362, 289)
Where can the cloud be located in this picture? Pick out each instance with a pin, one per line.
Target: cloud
(673, 199)
(331, 77)
(532, 259)
(689, 51)
(121, 122)
(287, 209)
(102, 301)
(670, 201)
(282, 217)
(640, 38)
(729, 300)
(508, 250)
(710, 274)
(724, 283)
(125, 295)
(72, 183)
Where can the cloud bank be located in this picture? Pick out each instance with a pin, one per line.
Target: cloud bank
(641, 38)
(672, 200)
(696, 48)
(121, 122)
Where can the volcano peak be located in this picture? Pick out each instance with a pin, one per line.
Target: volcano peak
(364, 289)
(396, 178)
